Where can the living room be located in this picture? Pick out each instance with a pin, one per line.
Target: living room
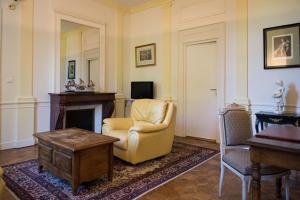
(204, 55)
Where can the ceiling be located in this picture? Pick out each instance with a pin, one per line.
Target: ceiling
(130, 2)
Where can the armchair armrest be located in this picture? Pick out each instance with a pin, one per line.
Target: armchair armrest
(118, 123)
(147, 128)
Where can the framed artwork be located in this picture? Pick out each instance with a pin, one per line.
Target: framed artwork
(145, 55)
(72, 69)
(281, 46)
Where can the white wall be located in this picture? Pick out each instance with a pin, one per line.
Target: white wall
(149, 25)
(143, 28)
(142, 25)
(265, 14)
(18, 111)
(245, 79)
(45, 30)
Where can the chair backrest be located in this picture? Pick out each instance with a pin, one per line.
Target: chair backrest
(149, 110)
(235, 125)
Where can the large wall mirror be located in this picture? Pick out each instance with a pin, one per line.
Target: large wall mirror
(81, 53)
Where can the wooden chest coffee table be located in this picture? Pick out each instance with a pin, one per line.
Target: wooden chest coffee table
(76, 155)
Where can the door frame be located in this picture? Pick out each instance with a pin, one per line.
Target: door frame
(203, 34)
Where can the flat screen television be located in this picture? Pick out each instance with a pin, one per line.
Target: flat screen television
(142, 90)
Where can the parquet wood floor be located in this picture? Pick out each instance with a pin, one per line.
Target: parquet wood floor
(201, 183)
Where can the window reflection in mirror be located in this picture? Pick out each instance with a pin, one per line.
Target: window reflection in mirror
(79, 54)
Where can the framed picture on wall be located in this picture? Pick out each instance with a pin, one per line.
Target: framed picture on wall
(282, 47)
(145, 55)
(72, 69)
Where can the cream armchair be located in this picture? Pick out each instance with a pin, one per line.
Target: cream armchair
(147, 134)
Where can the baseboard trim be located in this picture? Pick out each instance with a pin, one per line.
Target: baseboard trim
(17, 144)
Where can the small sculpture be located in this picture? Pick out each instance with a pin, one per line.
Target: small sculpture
(91, 86)
(70, 85)
(278, 97)
(81, 86)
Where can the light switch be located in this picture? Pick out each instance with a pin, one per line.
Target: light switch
(10, 80)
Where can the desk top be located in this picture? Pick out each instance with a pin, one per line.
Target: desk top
(277, 144)
(284, 133)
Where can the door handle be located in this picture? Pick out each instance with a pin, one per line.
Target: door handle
(213, 89)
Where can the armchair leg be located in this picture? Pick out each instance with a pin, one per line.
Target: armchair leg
(221, 179)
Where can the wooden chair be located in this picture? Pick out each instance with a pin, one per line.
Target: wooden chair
(235, 129)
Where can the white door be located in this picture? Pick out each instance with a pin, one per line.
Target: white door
(94, 73)
(201, 94)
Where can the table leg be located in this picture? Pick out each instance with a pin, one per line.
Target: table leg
(75, 185)
(40, 168)
(110, 163)
(255, 181)
(278, 187)
(256, 125)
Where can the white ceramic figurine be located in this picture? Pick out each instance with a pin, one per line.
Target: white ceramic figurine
(278, 97)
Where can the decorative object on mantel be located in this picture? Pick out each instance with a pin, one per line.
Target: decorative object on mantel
(91, 86)
(72, 86)
(145, 55)
(282, 46)
(81, 86)
(13, 4)
(278, 97)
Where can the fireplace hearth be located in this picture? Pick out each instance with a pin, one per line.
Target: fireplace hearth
(84, 119)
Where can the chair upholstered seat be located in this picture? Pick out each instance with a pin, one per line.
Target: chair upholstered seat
(240, 161)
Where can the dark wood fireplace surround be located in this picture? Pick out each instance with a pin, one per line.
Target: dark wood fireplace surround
(59, 102)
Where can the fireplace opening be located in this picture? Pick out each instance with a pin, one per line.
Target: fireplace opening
(84, 119)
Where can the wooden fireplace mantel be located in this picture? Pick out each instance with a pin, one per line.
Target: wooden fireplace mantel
(59, 102)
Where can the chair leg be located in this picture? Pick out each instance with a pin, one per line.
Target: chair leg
(249, 184)
(221, 179)
(287, 187)
(244, 188)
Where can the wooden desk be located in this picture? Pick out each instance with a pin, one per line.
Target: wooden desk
(273, 152)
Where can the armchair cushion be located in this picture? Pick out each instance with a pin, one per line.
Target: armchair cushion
(149, 110)
(148, 128)
(240, 161)
(122, 135)
(118, 123)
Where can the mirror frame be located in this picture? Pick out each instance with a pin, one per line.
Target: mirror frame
(101, 27)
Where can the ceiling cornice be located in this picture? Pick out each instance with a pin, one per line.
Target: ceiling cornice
(135, 9)
(150, 4)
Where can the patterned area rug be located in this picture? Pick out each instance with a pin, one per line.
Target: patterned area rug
(129, 181)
